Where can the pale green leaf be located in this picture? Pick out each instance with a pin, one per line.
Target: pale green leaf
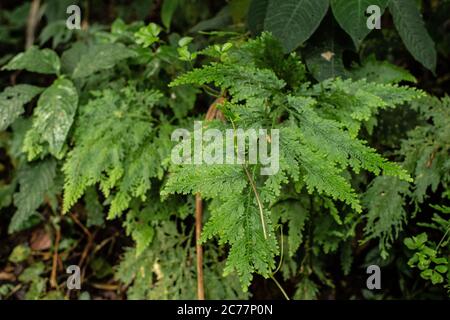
(52, 119)
(101, 57)
(167, 10)
(35, 60)
(12, 100)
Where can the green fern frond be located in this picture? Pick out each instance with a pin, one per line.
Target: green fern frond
(114, 146)
(385, 216)
(35, 181)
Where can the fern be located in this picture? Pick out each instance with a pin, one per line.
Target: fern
(296, 215)
(426, 157)
(35, 182)
(165, 270)
(235, 79)
(113, 151)
(426, 149)
(104, 126)
(234, 216)
(386, 214)
(317, 148)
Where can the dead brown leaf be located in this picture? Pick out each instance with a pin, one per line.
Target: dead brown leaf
(40, 240)
(6, 276)
(328, 55)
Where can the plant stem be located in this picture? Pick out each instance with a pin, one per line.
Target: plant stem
(33, 19)
(198, 246)
(258, 200)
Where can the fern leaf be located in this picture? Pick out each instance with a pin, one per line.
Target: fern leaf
(385, 216)
(235, 220)
(243, 82)
(293, 212)
(326, 136)
(209, 180)
(115, 146)
(35, 181)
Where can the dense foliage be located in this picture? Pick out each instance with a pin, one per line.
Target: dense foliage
(87, 177)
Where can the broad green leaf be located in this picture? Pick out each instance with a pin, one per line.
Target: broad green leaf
(167, 10)
(410, 26)
(294, 21)
(409, 243)
(222, 19)
(35, 60)
(100, 57)
(239, 9)
(351, 16)
(6, 192)
(52, 119)
(35, 181)
(148, 35)
(71, 57)
(436, 278)
(257, 15)
(426, 274)
(325, 61)
(20, 253)
(441, 269)
(12, 101)
(57, 31)
(324, 53)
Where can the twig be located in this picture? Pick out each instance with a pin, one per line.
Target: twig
(280, 287)
(53, 281)
(13, 291)
(272, 276)
(105, 286)
(90, 242)
(198, 246)
(105, 242)
(85, 22)
(13, 77)
(33, 19)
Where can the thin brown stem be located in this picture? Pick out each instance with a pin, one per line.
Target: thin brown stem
(198, 246)
(33, 19)
(258, 200)
(85, 22)
(53, 281)
(212, 113)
